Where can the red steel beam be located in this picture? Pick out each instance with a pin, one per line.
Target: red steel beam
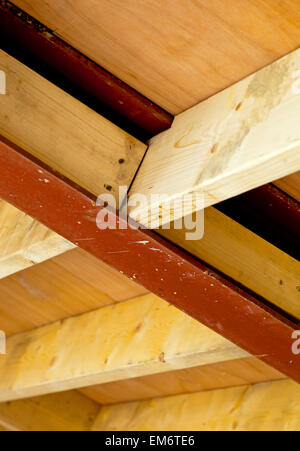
(149, 260)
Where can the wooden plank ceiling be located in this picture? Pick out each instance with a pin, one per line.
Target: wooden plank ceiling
(181, 52)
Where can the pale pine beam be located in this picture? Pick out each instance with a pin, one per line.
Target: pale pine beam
(25, 242)
(271, 406)
(61, 412)
(246, 258)
(239, 139)
(139, 337)
(80, 144)
(231, 373)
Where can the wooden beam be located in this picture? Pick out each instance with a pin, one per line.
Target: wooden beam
(240, 139)
(139, 337)
(25, 242)
(68, 411)
(263, 407)
(32, 103)
(231, 373)
(148, 260)
(270, 213)
(246, 258)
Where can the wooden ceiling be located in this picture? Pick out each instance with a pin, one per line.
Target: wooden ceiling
(176, 53)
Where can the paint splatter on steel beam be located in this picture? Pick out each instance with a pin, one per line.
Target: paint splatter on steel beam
(154, 263)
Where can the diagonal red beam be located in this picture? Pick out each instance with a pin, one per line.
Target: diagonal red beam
(141, 255)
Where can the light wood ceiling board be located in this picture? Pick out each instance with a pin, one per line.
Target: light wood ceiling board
(99, 275)
(43, 294)
(175, 52)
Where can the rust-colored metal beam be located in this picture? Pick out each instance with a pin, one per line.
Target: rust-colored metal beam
(154, 263)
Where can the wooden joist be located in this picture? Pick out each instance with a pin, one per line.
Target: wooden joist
(32, 103)
(24, 242)
(68, 411)
(246, 258)
(240, 139)
(139, 337)
(230, 373)
(263, 407)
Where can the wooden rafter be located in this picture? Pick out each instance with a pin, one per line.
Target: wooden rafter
(119, 344)
(240, 139)
(25, 242)
(229, 373)
(116, 154)
(135, 338)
